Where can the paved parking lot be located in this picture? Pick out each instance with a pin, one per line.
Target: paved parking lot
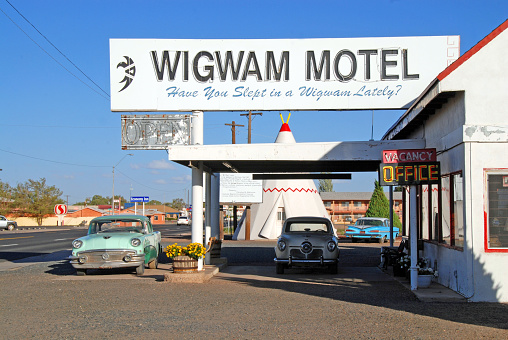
(244, 301)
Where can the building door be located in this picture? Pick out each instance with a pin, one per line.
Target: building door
(281, 217)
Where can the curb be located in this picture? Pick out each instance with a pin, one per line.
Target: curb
(200, 277)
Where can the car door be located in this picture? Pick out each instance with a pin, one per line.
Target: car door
(3, 222)
(152, 241)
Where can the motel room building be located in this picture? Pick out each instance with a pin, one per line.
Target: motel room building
(463, 221)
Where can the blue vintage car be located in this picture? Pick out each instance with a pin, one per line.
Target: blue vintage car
(368, 228)
(117, 241)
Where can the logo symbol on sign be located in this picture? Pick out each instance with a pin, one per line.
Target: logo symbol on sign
(60, 209)
(130, 71)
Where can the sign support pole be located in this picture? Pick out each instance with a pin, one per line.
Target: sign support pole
(197, 184)
(391, 216)
(413, 236)
(208, 210)
(215, 207)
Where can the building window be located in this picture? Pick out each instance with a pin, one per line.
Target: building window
(497, 212)
(328, 204)
(345, 204)
(156, 218)
(440, 211)
(358, 204)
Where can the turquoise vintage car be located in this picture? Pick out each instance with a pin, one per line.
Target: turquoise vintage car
(371, 228)
(117, 241)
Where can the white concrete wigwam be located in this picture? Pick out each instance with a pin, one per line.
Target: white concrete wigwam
(282, 199)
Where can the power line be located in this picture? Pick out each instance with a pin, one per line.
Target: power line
(58, 162)
(61, 126)
(8, 17)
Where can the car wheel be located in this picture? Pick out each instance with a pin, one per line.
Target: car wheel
(382, 239)
(10, 227)
(332, 268)
(279, 268)
(80, 272)
(154, 264)
(140, 270)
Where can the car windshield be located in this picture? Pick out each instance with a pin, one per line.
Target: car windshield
(131, 226)
(300, 226)
(369, 222)
(183, 217)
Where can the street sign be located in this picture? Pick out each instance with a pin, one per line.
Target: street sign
(144, 199)
(60, 209)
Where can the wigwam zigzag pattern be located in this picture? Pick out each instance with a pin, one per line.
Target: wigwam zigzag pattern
(291, 189)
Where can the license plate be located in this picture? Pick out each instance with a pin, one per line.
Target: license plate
(362, 232)
(105, 267)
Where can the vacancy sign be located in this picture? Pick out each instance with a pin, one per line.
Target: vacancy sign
(409, 167)
(60, 209)
(409, 155)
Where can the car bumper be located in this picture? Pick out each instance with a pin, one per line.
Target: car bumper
(355, 235)
(321, 261)
(106, 259)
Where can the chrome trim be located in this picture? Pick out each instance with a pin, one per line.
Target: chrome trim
(291, 261)
(96, 261)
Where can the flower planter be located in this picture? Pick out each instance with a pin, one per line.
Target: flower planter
(424, 281)
(184, 264)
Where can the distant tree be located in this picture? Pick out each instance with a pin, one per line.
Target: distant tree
(155, 202)
(177, 204)
(325, 185)
(6, 193)
(99, 200)
(36, 199)
(379, 206)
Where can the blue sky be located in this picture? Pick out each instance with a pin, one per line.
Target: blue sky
(59, 125)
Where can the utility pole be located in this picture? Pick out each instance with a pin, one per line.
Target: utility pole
(249, 115)
(67, 199)
(233, 130)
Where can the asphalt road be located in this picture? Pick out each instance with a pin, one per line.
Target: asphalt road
(27, 242)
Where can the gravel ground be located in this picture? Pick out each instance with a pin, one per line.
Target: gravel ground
(39, 302)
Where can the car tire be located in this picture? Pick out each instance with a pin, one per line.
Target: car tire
(140, 270)
(382, 239)
(154, 264)
(279, 268)
(332, 268)
(80, 272)
(10, 227)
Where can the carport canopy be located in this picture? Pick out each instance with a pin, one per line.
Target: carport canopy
(357, 156)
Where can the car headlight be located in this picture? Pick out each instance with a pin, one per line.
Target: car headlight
(77, 244)
(135, 242)
(331, 246)
(281, 244)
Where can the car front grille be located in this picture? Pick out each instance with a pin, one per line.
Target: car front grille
(112, 255)
(298, 255)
